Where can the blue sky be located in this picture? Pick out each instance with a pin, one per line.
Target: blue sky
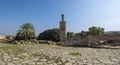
(46, 14)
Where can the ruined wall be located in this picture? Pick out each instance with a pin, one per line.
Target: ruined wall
(77, 41)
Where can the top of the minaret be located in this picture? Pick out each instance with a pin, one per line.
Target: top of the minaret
(62, 17)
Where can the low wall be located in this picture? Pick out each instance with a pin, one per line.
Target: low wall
(77, 41)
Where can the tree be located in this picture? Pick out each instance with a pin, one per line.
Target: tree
(26, 32)
(50, 34)
(70, 34)
(83, 33)
(96, 30)
(101, 31)
(77, 34)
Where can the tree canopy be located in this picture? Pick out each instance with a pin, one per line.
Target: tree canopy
(96, 30)
(50, 34)
(70, 34)
(83, 33)
(93, 31)
(26, 32)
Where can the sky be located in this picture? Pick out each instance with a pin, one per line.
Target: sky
(46, 14)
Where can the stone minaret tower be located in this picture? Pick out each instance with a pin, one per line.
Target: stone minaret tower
(63, 30)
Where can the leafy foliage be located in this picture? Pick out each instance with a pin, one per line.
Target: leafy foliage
(50, 34)
(93, 31)
(96, 30)
(75, 54)
(70, 34)
(83, 33)
(26, 32)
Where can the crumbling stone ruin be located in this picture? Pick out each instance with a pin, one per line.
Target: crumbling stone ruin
(89, 41)
(112, 40)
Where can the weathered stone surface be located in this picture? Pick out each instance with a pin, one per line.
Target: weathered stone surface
(31, 63)
(18, 64)
(63, 60)
(6, 57)
(43, 60)
(10, 64)
(68, 63)
(54, 63)
(39, 54)
(27, 61)
(39, 63)
(59, 63)
(3, 63)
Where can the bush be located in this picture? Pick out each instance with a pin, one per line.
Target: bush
(75, 54)
(50, 34)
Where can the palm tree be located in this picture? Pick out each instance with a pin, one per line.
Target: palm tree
(26, 32)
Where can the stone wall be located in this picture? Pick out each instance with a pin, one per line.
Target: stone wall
(104, 40)
(77, 41)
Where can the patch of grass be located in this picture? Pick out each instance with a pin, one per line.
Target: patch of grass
(75, 53)
(12, 49)
(3, 41)
(42, 41)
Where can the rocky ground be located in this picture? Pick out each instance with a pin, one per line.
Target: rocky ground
(43, 54)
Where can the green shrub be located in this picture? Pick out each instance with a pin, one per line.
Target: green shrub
(4, 41)
(50, 34)
(75, 54)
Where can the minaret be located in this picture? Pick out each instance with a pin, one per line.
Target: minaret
(62, 30)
